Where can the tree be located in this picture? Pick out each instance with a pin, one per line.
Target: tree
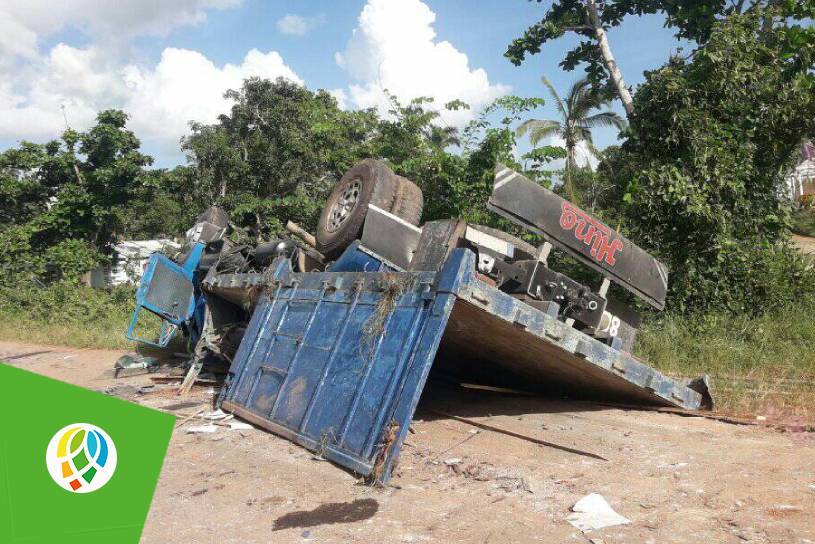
(712, 140)
(575, 123)
(276, 153)
(589, 19)
(64, 200)
(486, 143)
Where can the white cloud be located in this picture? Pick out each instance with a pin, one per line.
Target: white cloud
(185, 86)
(39, 89)
(161, 99)
(32, 100)
(394, 47)
(297, 25)
(118, 19)
(582, 155)
(341, 98)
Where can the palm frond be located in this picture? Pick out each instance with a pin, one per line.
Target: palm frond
(561, 107)
(593, 150)
(580, 98)
(604, 119)
(583, 134)
(544, 131)
(588, 99)
(538, 129)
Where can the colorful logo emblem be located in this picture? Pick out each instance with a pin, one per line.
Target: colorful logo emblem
(81, 458)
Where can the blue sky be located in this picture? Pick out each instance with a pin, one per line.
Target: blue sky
(165, 66)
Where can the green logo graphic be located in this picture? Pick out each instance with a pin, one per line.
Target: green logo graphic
(76, 466)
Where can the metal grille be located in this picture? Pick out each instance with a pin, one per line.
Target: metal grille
(169, 291)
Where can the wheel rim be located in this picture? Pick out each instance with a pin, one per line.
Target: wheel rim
(344, 206)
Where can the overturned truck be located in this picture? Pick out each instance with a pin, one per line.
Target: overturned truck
(332, 344)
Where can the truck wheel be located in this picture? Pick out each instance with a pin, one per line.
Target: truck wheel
(367, 182)
(409, 202)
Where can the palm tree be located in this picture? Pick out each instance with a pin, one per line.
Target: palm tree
(575, 123)
(442, 137)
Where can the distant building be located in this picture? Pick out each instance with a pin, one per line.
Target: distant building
(128, 261)
(801, 181)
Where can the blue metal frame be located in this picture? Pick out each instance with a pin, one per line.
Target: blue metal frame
(191, 316)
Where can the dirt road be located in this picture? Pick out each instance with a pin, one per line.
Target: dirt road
(678, 479)
(805, 243)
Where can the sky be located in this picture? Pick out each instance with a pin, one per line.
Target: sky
(168, 62)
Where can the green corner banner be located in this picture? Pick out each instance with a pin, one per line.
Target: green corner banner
(75, 466)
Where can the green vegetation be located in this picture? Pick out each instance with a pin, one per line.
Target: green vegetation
(704, 167)
(577, 119)
(66, 314)
(697, 180)
(757, 363)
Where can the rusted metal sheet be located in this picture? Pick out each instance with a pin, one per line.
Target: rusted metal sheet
(584, 237)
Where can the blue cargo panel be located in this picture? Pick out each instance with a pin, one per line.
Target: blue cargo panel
(336, 361)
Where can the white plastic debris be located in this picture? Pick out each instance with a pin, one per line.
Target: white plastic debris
(202, 429)
(673, 465)
(240, 426)
(593, 512)
(216, 415)
(452, 461)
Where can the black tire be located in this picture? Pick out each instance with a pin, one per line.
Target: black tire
(523, 250)
(409, 202)
(367, 182)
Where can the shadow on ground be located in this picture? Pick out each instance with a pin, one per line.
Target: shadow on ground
(328, 514)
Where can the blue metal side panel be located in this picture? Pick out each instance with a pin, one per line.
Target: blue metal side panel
(336, 362)
(353, 259)
(170, 291)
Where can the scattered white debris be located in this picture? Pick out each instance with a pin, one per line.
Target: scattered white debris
(202, 429)
(812, 487)
(452, 461)
(216, 415)
(593, 512)
(761, 418)
(673, 465)
(240, 426)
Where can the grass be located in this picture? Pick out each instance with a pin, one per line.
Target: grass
(66, 315)
(759, 365)
(18, 329)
